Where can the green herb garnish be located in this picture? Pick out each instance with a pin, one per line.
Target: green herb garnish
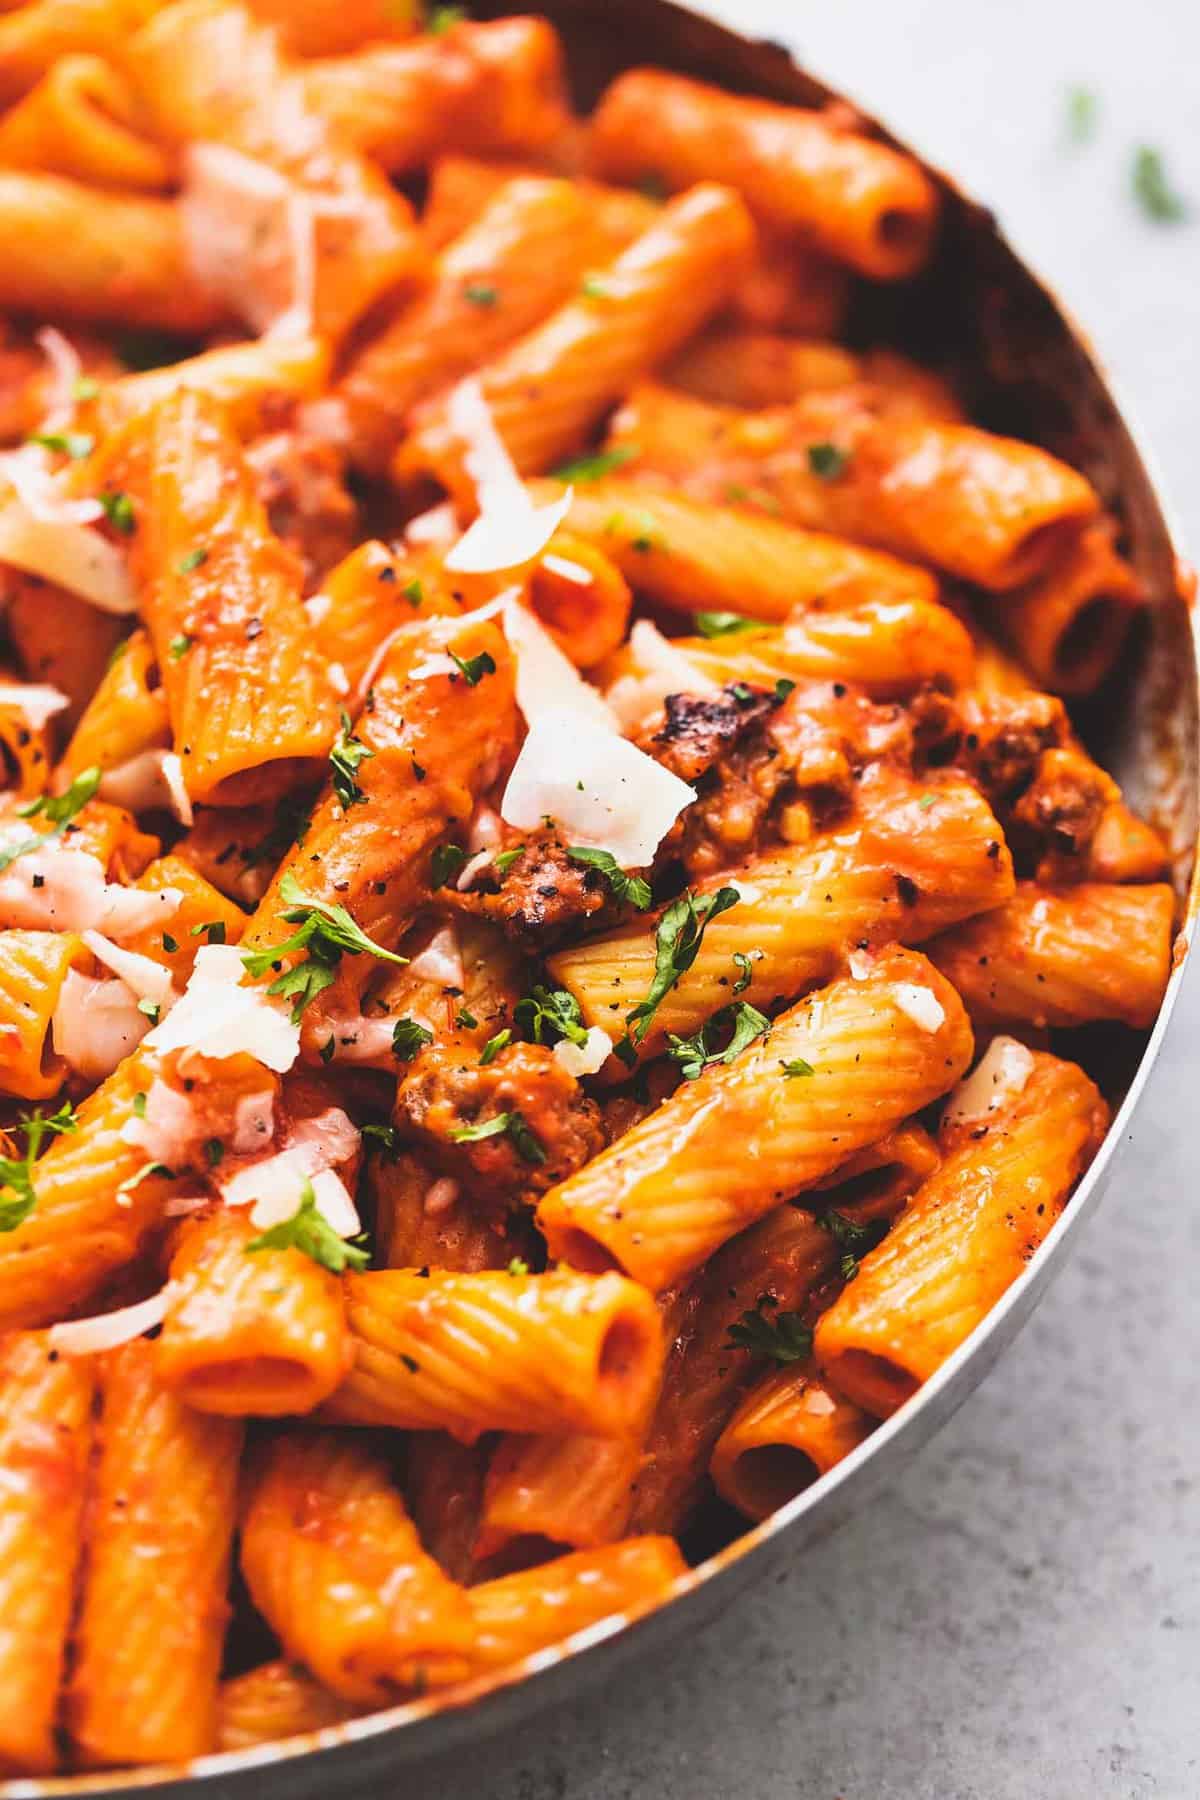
(676, 942)
(16, 1173)
(509, 1124)
(827, 461)
(628, 888)
(548, 1014)
(740, 1020)
(325, 933)
(309, 1231)
(785, 1338)
(595, 465)
(344, 761)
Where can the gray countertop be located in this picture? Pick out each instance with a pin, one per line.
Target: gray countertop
(1018, 1618)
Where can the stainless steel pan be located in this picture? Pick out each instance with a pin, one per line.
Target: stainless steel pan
(1028, 370)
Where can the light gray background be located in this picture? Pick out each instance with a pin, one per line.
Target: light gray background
(1019, 1617)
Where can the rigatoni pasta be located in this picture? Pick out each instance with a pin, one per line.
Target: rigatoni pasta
(514, 829)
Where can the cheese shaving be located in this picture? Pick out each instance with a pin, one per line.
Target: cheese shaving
(145, 978)
(659, 669)
(220, 1016)
(95, 1025)
(149, 782)
(53, 888)
(510, 529)
(547, 679)
(1000, 1075)
(601, 791)
(441, 959)
(35, 700)
(64, 549)
(587, 1058)
(105, 1331)
(921, 1005)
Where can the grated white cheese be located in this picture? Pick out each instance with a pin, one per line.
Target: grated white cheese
(219, 1016)
(601, 791)
(587, 1058)
(53, 888)
(145, 978)
(921, 1005)
(65, 370)
(152, 781)
(95, 1025)
(441, 959)
(54, 539)
(1000, 1075)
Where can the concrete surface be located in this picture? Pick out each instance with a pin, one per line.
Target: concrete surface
(1019, 1617)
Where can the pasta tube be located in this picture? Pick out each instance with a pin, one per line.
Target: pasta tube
(247, 380)
(1067, 957)
(693, 556)
(45, 1440)
(514, 264)
(1069, 626)
(152, 1618)
(1007, 1170)
(333, 1563)
(548, 390)
(730, 366)
(913, 858)
(789, 1431)
(852, 196)
(80, 121)
(249, 1332)
(732, 1145)
(126, 715)
(81, 252)
(444, 1488)
(250, 706)
(33, 37)
(499, 1351)
(277, 1700)
(33, 967)
(495, 87)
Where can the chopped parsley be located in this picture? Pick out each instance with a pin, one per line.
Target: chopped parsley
(442, 18)
(495, 1045)
(595, 465)
(518, 1266)
(676, 942)
(448, 861)
(214, 1151)
(783, 688)
(1082, 114)
(548, 1014)
(628, 888)
(465, 1019)
(853, 1239)
(797, 1066)
(741, 1021)
(1152, 188)
(926, 801)
(179, 646)
(504, 860)
(510, 1124)
(344, 760)
(413, 592)
(386, 1136)
(75, 444)
(742, 963)
(827, 461)
(139, 1106)
(325, 933)
(152, 1010)
(785, 1338)
(213, 929)
(408, 1036)
(60, 809)
(169, 944)
(594, 287)
(16, 1173)
(309, 1231)
(192, 560)
(481, 293)
(118, 510)
(724, 624)
(85, 387)
(474, 668)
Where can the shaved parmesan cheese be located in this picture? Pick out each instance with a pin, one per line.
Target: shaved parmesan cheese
(253, 1123)
(568, 570)
(35, 483)
(272, 1188)
(441, 959)
(338, 679)
(38, 702)
(86, 1337)
(921, 1005)
(95, 1025)
(219, 1016)
(145, 978)
(510, 529)
(860, 963)
(659, 669)
(486, 828)
(357, 1038)
(482, 860)
(149, 782)
(440, 1197)
(601, 791)
(53, 888)
(167, 1129)
(1001, 1074)
(546, 678)
(586, 1058)
(238, 231)
(436, 529)
(68, 552)
(65, 370)
(332, 1134)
